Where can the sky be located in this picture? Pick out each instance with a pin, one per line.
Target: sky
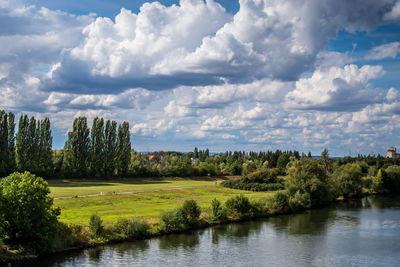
(220, 74)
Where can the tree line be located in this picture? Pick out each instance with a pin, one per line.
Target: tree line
(104, 150)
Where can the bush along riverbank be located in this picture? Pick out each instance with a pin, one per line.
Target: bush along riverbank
(29, 225)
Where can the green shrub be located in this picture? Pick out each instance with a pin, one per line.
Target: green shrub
(257, 209)
(238, 206)
(264, 175)
(299, 201)
(96, 225)
(170, 221)
(218, 213)
(189, 213)
(27, 216)
(245, 184)
(63, 238)
(278, 203)
(134, 227)
(260, 180)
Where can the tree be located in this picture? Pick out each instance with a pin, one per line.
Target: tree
(3, 143)
(45, 157)
(325, 160)
(124, 149)
(11, 143)
(27, 216)
(97, 159)
(22, 144)
(378, 182)
(196, 152)
(32, 146)
(308, 176)
(77, 148)
(110, 149)
(392, 181)
(282, 162)
(347, 180)
(190, 213)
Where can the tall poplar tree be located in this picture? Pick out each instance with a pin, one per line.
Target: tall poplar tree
(22, 156)
(45, 157)
(33, 146)
(124, 149)
(97, 147)
(77, 148)
(11, 143)
(110, 149)
(3, 143)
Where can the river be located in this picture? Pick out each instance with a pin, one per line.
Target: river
(363, 232)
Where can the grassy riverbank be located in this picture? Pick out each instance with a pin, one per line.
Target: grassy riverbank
(79, 199)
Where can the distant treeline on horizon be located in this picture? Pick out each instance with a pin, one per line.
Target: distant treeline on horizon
(104, 151)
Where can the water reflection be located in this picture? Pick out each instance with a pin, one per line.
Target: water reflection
(95, 253)
(131, 249)
(175, 241)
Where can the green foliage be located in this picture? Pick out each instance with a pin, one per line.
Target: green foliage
(367, 181)
(326, 161)
(3, 143)
(135, 227)
(124, 149)
(257, 208)
(259, 180)
(190, 213)
(309, 176)
(22, 144)
(264, 176)
(45, 152)
(347, 180)
(96, 225)
(235, 169)
(245, 184)
(11, 143)
(26, 211)
(110, 148)
(248, 167)
(170, 221)
(392, 181)
(377, 183)
(77, 149)
(207, 169)
(97, 158)
(278, 203)
(299, 201)
(218, 213)
(184, 217)
(238, 207)
(283, 161)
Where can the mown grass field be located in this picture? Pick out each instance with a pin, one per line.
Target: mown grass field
(146, 198)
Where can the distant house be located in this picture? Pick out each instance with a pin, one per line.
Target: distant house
(391, 153)
(155, 156)
(194, 160)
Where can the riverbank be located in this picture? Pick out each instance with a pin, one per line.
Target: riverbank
(154, 231)
(360, 232)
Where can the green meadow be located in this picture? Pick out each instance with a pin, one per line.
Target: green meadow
(79, 199)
